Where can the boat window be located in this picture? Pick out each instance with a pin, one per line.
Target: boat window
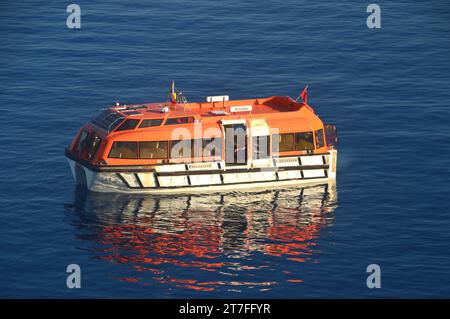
(260, 147)
(179, 120)
(283, 142)
(319, 139)
(95, 146)
(182, 149)
(124, 150)
(331, 134)
(304, 141)
(82, 140)
(128, 125)
(156, 149)
(108, 120)
(150, 123)
(212, 147)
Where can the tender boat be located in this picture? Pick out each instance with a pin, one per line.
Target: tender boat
(212, 146)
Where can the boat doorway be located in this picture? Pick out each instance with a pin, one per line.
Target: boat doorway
(235, 144)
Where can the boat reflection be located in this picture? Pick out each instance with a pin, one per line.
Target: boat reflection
(207, 242)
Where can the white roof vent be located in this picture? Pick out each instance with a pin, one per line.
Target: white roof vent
(217, 98)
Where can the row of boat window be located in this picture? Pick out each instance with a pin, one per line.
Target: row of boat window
(110, 120)
(281, 143)
(160, 149)
(132, 123)
(286, 143)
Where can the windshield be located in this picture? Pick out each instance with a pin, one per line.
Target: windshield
(108, 120)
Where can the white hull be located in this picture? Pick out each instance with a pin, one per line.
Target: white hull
(210, 177)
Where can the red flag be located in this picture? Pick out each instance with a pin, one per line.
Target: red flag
(304, 95)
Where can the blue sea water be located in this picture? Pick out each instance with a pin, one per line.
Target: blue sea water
(387, 90)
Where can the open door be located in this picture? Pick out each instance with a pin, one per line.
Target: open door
(331, 135)
(235, 143)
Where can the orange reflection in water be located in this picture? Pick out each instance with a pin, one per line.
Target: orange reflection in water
(217, 237)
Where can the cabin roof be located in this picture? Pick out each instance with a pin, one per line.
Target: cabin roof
(282, 113)
(267, 106)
